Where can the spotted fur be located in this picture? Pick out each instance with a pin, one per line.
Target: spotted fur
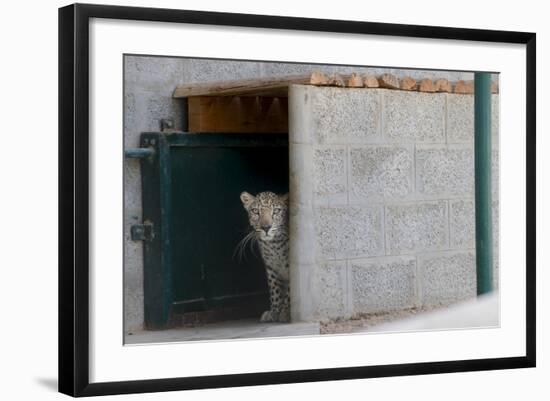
(268, 218)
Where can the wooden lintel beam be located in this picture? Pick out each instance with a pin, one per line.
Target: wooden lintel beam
(240, 87)
(232, 114)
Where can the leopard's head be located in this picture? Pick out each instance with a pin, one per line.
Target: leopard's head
(267, 214)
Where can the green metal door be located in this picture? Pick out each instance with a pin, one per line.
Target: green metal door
(198, 220)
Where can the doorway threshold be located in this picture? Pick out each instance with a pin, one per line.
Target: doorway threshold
(230, 330)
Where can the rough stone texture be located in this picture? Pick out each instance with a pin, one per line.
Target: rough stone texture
(301, 169)
(408, 83)
(371, 81)
(389, 81)
(330, 171)
(423, 180)
(133, 250)
(447, 277)
(416, 227)
(381, 172)
(318, 78)
(462, 226)
(212, 70)
(427, 85)
(413, 116)
(303, 266)
(336, 80)
(462, 229)
(152, 74)
(495, 119)
(496, 225)
(344, 232)
(460, 118)
(496, 271)
(355, 81)
(331, 281)
(444, 170)
(495, 174)
(345, 115)
(281, 69)
(149, 109)
(464, 87)
(443, 85)
(432, 74)
(383, 284)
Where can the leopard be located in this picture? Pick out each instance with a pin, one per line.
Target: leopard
(268, 223)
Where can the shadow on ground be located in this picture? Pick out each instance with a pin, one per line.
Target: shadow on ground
(48, 382)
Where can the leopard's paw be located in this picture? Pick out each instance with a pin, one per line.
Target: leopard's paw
(284, 316)
(268, 316)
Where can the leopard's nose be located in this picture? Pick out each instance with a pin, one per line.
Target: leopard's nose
(266, 228)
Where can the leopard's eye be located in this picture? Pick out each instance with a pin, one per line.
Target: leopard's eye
(277, 210)
(255, 211)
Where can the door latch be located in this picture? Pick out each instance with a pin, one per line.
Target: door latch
(142, 232)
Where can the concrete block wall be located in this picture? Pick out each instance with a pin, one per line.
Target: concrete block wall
(382, 200)
(148, 85)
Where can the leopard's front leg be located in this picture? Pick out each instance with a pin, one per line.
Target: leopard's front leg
(284, 311)
(276, 299)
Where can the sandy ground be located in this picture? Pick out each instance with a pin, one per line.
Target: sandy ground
(368, 320)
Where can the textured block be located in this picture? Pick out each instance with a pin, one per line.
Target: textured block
(495, 118)
(345, 232)
(300, 172)
(495, 173)
(205, 70)
(300, 114)
(496, 271)
(416, 227)
(133, 273)
(496, 224)
(158, 75)
(447, 277)
(463, 230)
(144, 110)
(329, 166)
(381, 172)
(331, 291)
(442, 170)
(433, 74)
(383, 284)
(345, 115)
(460, 118)
(464, 87)
(389, 81)
(414, 116)
(302, 235)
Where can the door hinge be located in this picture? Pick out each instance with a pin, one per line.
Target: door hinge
(142, 232)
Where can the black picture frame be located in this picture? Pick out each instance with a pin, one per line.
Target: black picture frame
(74, 198)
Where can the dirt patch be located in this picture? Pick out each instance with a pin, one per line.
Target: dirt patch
(367, 320)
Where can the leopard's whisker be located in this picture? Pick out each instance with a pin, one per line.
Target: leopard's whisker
(241, 246)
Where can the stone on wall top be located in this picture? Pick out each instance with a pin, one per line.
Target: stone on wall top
(279, 86)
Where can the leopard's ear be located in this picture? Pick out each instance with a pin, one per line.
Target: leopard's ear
(247, 199)
(284, 197)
